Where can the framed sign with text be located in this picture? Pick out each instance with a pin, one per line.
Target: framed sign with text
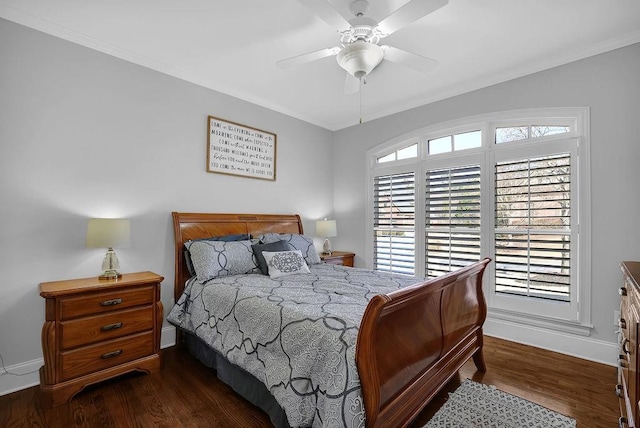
(237, 149)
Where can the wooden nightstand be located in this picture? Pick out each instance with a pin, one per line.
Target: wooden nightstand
(98, 329)
(338, 258)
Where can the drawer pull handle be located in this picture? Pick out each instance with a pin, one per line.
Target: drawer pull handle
(622, 361)
(622, 422)
(111, 354)
(622, 323)
(624, 346)
(113, 326)
(111, 302)
(619, 390)
(622, 291)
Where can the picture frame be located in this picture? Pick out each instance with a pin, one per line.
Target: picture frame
(241, 150)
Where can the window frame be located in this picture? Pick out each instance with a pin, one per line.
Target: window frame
(577, 317)
(534, 307)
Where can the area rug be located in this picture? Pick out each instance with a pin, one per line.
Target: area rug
(474, 405)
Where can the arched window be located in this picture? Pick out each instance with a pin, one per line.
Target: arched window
(513, 186)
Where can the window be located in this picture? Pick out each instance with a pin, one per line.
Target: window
(533, 227)
(515, 197)
(512, 133)
(394, 223)
(452, 218)
(455, 142)
(543, 131)
(407, 152)
(517, 133)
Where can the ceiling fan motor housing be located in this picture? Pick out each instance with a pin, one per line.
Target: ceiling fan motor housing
(360, 57)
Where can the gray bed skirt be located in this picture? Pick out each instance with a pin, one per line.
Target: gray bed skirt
(238, 379)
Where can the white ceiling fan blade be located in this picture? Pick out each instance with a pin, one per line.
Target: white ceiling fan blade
(351, 84)
(307, 57)
(408, 13)
(417, 62)
(327, 13)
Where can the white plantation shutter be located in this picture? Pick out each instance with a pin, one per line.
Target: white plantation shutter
(394, 223)
(533, 227)
(452, 219)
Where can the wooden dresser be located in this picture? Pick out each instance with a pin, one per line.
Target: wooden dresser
(628, 382)
(98, 329)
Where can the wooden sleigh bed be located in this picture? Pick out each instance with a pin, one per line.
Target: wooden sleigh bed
(410, 342)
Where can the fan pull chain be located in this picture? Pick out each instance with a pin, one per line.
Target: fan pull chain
(361, 81)
(360, 95)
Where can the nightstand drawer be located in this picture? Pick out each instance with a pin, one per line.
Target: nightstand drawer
(84, 331)
(343, 258)
(103, 355)
(73, 307)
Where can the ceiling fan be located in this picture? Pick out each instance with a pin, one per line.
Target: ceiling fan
(359, 52)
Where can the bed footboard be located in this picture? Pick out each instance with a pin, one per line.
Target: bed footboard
(413, 341)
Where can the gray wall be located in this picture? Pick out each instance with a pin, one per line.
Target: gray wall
(83, 134)
(609, 84)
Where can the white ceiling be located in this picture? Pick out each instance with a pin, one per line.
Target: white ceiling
(232, 46)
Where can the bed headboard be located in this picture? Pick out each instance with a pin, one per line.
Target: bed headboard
(187, 226)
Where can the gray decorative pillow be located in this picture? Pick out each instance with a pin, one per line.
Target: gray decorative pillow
(187, 256)
(274, 246)
(212, 259)
(297, 242)
(283, 263)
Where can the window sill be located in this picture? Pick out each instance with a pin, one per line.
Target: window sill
(564, 326)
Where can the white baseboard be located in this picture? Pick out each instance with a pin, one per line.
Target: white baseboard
(25, 375)
(168, 336)
(563, 343)
(20, 376)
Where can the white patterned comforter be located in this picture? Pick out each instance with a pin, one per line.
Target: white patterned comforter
(296, 334)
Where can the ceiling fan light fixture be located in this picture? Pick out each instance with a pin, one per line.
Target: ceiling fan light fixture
(360, 58)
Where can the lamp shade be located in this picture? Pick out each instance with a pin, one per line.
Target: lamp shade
(326, 228)
(108, 233)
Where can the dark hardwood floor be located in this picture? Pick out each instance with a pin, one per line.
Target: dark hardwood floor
(187, 394)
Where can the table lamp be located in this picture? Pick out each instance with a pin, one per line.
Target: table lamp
(326, 229)
(109, 233)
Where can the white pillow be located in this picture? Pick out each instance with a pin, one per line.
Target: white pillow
(283, 263)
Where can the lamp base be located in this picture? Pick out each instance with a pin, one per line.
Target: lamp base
(326, 247)
(110, 266)
(108, 275)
